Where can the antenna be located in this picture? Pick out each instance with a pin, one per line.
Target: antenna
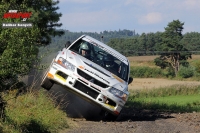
(101, 38)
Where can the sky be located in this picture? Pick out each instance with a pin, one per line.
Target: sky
(143, 16)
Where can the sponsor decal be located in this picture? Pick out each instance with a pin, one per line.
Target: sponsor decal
(73, 53)
(89, 82)
(97, 76)
(116, 77)
(81, 67)
(54, 67)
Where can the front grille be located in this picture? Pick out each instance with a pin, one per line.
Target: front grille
(100, 83)
(88, 77)
(85, 89)
(83, 81)
(84, 75)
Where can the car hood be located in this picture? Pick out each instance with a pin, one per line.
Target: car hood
(95, 71)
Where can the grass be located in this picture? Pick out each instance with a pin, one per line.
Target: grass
(146, 72)
(37, 112)
(149, 60)
(32, 112)
(179, 100)
(146, 68)
(142, 58)
(138, 61)
(174, 99)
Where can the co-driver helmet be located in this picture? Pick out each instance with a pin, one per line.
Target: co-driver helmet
(108, 61)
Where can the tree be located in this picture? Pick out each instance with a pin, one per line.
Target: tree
(174, 52)
(192, 41)
(143, 43)
(158, 40)
(150, 42)
(20, 46)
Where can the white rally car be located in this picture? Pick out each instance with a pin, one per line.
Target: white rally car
(101, 76)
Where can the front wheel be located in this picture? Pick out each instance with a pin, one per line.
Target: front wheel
(46, 83)
(108, 116)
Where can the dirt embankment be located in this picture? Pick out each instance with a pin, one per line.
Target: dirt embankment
(82, 115)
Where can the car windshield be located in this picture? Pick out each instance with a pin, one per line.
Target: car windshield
(99, 56)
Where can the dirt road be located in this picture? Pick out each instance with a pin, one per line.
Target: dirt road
(82, 115)
(140, 122)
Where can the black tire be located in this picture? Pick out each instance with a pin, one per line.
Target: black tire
(46, 83)
(106, 116)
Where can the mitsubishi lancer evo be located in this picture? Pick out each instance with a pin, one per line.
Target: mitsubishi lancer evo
(94, 71)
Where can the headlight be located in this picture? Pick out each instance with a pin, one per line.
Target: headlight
(119, 93)
(66, 64)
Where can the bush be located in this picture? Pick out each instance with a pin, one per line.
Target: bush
(186, 72)
(170, 72)
(146, 72)
(33, 112)
(197, 66)
(161, 63)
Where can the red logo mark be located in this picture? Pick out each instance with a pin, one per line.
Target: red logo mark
(15, 14)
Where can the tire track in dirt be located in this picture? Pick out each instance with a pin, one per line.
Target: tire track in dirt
(140, 121)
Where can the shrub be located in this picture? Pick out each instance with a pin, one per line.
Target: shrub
(33, 112)
(197, 66)
(170, 72)
(146, 72)
(186, 72)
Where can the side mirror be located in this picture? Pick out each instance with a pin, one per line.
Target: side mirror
(68, 43)
(130, 80)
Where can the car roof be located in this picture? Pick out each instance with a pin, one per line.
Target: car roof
(108, 48)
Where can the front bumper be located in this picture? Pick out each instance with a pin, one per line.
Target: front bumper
(86, 89)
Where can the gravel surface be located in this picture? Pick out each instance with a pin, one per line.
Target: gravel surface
(82, 116)
(140, 123)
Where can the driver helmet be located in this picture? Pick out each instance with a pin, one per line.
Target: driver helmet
(85, 49)
(108, 61)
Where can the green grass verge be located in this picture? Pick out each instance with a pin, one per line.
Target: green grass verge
(146, 72)
(33, 112)
(173, 99)
(148, 69)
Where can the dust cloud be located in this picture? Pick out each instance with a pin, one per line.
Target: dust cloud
(73, 105)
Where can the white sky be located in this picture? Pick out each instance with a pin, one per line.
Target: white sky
(139, 15)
